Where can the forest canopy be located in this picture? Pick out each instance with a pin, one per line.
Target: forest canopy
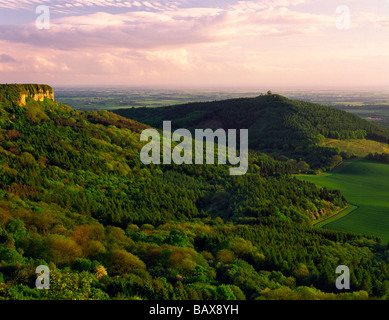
(277, 125)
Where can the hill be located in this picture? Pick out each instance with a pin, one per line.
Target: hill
(277, 125)
(75, 196)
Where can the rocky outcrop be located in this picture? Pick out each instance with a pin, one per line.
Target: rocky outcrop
(19, 93)
(40, 96)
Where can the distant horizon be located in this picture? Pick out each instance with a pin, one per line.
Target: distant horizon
(224, 88)
(214, 88)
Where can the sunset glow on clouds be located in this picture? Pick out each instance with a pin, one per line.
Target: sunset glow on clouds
(198, 43)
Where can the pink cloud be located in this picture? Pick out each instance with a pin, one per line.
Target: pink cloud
(239, 43)
(184, 27)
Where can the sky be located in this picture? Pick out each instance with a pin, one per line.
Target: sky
(196, 43)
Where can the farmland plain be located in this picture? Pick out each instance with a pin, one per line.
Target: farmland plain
(372, 105)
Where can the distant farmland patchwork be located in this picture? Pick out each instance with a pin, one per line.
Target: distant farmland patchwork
(373, 106)
(365, 184)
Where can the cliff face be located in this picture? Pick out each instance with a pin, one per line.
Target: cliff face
(40, 96)
(20, 92)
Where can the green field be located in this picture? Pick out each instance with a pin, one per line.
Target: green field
(365, 184)
(359, 147)
(337, 215)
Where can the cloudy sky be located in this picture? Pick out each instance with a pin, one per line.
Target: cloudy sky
(196, 43)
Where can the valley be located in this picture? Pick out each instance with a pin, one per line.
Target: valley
(76, 197)
(344, 169)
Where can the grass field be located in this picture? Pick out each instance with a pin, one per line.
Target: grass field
(337, 215)
(359, 147)
(365, 184)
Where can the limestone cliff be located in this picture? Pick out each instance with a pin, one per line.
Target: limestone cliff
(19, 93)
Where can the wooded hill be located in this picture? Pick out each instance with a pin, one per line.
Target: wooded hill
(277, 125)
